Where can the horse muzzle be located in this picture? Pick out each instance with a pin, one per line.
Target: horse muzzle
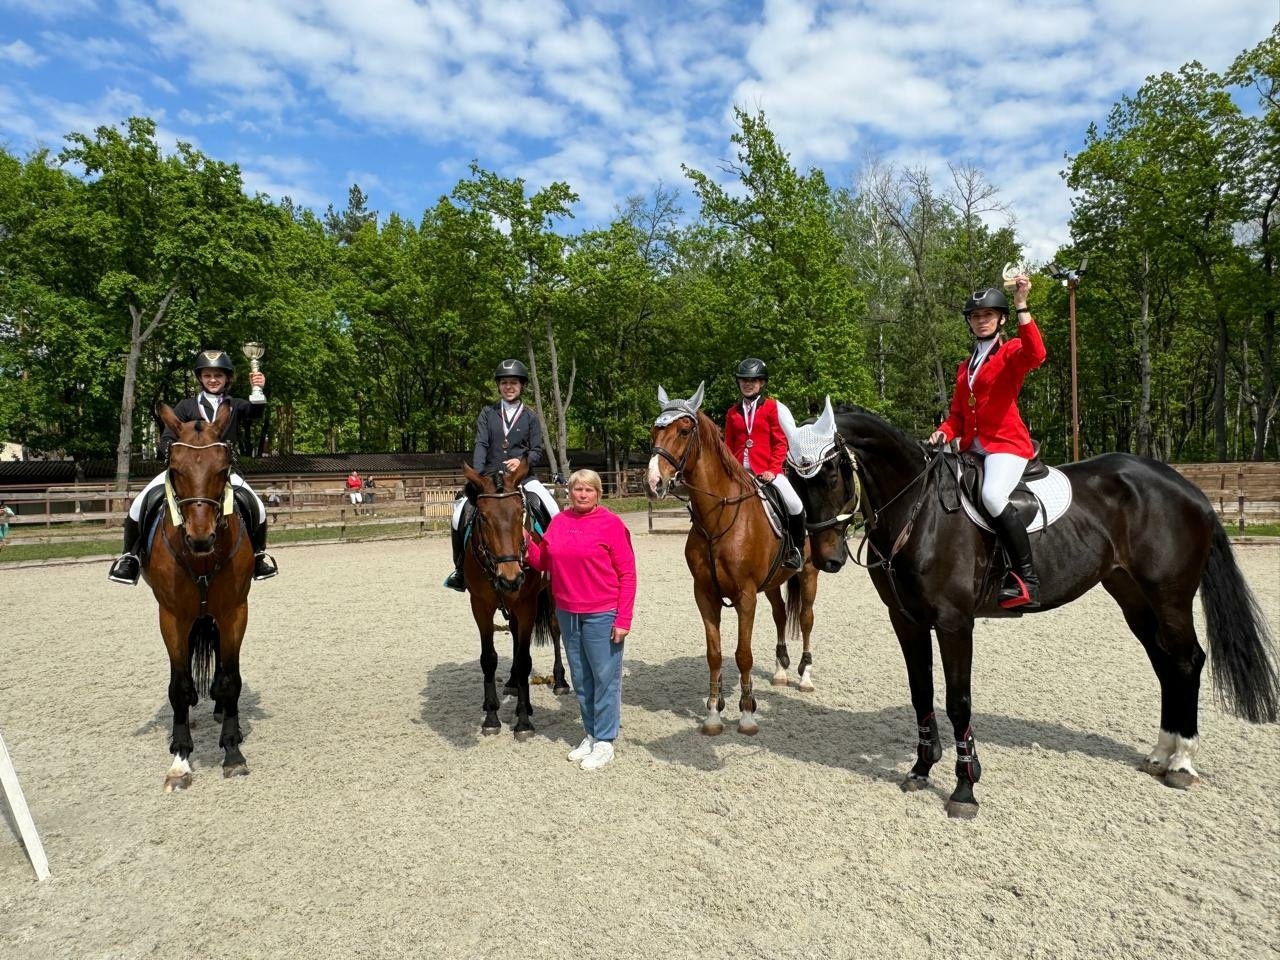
(202, 546)
(509, 584)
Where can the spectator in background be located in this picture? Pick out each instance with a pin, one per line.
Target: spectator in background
(355, 489)
(6, 512)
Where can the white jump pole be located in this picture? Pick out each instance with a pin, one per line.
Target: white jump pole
(18, 805)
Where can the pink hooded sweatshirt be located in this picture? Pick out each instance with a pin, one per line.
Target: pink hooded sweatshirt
(592, 565)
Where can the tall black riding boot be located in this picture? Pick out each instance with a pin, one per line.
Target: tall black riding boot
(126, 567)
(455, 580)
(1022, 588)
(796, 527)
(264, 568)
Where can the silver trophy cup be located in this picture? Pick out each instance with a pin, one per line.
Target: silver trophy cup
(254, 352)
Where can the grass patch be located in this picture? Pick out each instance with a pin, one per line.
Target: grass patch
(1254, 530)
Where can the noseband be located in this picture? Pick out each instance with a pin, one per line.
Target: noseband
(845, 458)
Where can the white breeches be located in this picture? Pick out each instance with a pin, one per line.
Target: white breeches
(789, 495)
(532, 486)
(135, 508)
(1001, 473)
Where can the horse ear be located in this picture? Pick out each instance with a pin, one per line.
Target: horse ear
(826, 425)
(663, 399)
(696, 400)
(168, 417)
(787, 422)
(473, 479)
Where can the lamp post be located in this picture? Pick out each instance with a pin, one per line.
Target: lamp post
(1071, 279)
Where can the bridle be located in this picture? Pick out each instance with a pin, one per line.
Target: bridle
(177, 507)
(488, 560)
(695, 440)
(846, 460)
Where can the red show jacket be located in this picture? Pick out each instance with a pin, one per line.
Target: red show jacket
(768, 448)
(994, 418)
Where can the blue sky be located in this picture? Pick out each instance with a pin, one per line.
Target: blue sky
(400, 95)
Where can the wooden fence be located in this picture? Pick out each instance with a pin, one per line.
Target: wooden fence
(1241, 493)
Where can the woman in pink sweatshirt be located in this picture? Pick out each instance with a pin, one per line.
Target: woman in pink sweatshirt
(587, 551)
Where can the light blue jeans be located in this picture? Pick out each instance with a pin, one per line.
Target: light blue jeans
(595, 664)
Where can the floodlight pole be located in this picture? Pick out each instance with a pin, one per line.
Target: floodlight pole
(1072, 280)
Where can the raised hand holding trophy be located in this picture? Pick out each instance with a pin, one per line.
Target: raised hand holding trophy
(254, 352)
(1011, 272)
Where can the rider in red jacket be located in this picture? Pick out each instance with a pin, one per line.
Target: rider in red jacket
(753, 434)
(984, 415)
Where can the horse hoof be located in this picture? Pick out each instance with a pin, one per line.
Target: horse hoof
(176, 783)
(561, 689)
(1181, 779)
(748, 731)
(914, 784)
(713, 729)
(780, 679)
(524, 735)
(235, 770)
(1154, 768)
(217, 716)
(489, 730)
(805, 686)
(957, 810)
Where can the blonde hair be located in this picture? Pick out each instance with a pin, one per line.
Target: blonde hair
(590, 478)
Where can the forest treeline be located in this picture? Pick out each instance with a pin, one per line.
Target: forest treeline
(119, 260)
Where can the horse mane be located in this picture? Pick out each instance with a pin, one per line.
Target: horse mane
(857, 423)
(732, 468)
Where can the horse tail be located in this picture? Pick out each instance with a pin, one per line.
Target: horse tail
(1244, 670)
(542, 619)
(204, 645)
(795, 603)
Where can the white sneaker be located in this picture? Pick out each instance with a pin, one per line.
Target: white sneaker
(600, 754)
(581, 751)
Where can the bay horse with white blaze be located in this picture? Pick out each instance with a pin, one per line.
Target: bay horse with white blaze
(732, 551)
(499, 578)
(200, 569)
(1136, 526)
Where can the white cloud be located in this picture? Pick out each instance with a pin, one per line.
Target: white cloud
(21, 53)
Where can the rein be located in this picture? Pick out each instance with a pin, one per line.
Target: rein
(178, 520)
(487, 559)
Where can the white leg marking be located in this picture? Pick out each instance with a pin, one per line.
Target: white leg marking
(1158, 759)
(1184, 751)
(779, 674)
(806, 679)
(747, 722)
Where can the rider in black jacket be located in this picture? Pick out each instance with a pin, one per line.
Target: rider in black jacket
(213, 370)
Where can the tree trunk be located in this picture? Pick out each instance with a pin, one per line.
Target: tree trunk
(137, 337)
(1266, 337)
(1144, 361)
(550, 450)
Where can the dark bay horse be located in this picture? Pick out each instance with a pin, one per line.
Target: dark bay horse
(200, 569)
(1136, 526)
(498, 578)
(731, 551)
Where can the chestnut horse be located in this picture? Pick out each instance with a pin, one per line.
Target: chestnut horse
(1136, 526)
(498, 578)
(200, 568)
(732, 551)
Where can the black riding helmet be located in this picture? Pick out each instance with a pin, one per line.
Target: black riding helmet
(512, 368)
(214, 360)
(991, 298)
(752, 369)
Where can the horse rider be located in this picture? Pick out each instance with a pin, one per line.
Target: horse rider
(984, 415)
(506, 433)
(213, 371)
(754, 435)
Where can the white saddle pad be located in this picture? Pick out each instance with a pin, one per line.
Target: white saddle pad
(772, 514)
(1053, 492)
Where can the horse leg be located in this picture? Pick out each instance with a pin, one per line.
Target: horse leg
(917, 650)
(521, 668)
(483, 614)
(226, 690)
(746, 607)
(782, 659)
(182, 697)
(1166, 629)
(560, 686)
(710, 609)
(808, 577)
(956, 644)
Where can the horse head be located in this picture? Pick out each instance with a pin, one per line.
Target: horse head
(674, 435)
(198, 478)
(821, 468)
(499, 529)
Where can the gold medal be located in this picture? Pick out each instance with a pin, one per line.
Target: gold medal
(973, 402)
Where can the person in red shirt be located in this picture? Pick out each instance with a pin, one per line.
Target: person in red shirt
(753, 433)
(984, 415)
